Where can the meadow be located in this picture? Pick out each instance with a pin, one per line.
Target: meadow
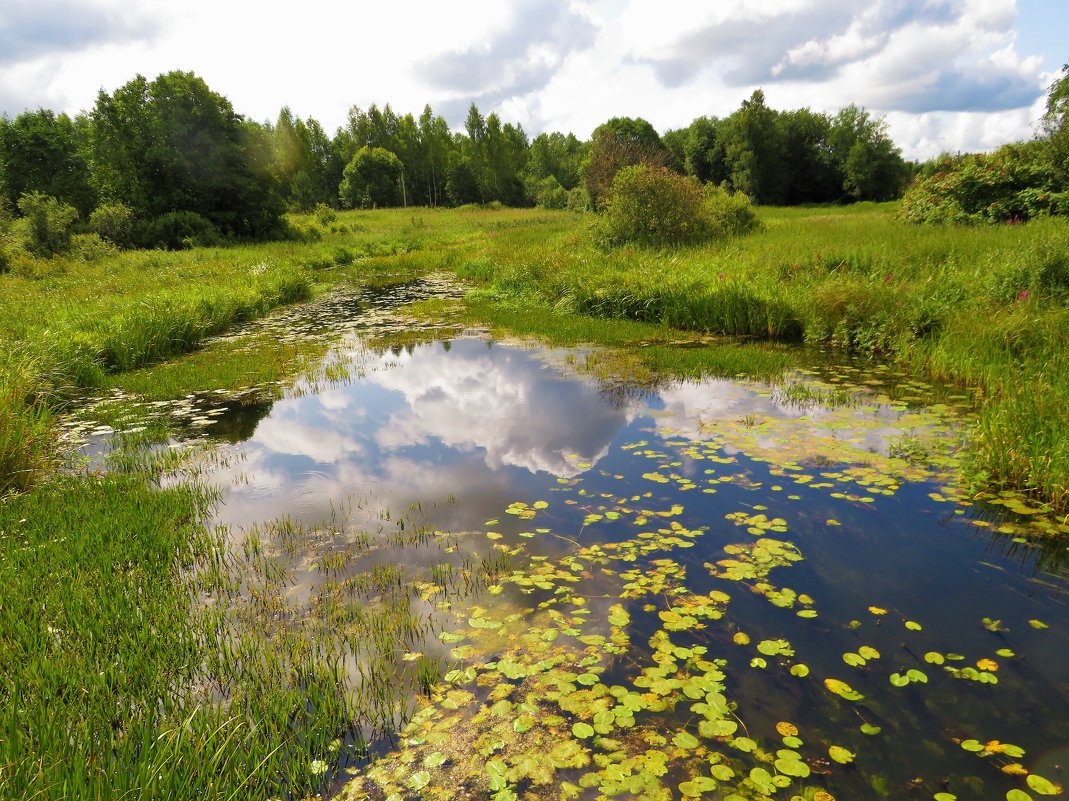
(982, 307)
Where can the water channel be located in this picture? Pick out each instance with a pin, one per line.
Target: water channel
(712, 588)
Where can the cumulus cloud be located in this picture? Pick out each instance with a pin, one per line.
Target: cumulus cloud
(518, 59)
(29, 29)
(476, 423)
(895, 55)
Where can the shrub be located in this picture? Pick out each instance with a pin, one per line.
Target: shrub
(371, 180)
(91, 247)
(549, 194)
(730, 213)
(1013, 184)
(113, 222)
(46, 224)
(178, 230)
(324, 214)
(654, 207)
(578, 199)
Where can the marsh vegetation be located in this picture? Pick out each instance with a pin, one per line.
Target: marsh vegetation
(680, 497)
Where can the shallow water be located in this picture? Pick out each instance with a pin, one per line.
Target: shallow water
(777, 536)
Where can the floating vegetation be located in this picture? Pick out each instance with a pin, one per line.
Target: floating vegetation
(566, 589)
(614, 670)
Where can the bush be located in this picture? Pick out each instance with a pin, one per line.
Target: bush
(655, 207)
(178, 230)
(578, 199)
(324, 214)
(730, 213)
(46, 224)
(371, 180)
(549, 194)
(91, 247)
(113, 222)
(1013, 184)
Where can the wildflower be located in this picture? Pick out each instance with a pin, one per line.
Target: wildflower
(1024, 294)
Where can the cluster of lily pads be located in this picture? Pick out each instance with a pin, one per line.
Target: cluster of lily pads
(603, 671)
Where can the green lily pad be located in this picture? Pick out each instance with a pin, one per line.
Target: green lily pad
(1041, 785)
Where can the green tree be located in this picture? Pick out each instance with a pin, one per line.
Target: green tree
(173, 145)
(620, 142)
(557, 155)
(461, 187)
(1056, 127)
(811, 174)
(869, 164)
(371, 179)
(46, 153)
(435, 144)
(704, 150)
(754, 151)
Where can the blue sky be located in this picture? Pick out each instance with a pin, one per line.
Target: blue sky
(945, 74)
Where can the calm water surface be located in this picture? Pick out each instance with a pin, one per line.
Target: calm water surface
(511, 450)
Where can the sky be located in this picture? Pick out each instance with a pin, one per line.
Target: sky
(946, 75)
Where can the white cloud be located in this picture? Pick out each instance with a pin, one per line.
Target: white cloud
(935, 67)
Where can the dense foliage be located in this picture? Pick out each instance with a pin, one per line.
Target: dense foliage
(653, 206)
(168, 163)
(1013, 184)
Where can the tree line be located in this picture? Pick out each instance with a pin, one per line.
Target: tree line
(169, 162)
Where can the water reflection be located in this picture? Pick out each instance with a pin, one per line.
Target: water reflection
(422, 425)
(488, 424)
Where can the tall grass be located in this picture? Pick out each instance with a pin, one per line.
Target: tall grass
(27, 436)
(980, 306)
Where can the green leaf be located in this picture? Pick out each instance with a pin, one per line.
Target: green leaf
(1018, 795)
(696, 786)
(434, 760)
(685, 740)
(717, 728)
(868, 728)
(792, 767)
(1041, 785)
(618, 615)
(840, 754)
(582, 730)
(945, 797)
(913, 625)
(801, 671)
(721, 772)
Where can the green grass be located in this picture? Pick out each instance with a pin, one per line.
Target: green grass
(120, 682)
(979, 306)
(81, 324)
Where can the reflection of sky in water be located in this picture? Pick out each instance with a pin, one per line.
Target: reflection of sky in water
(490, 424)
(474, 421)
(465, 422)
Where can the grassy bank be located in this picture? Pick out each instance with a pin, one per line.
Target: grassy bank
(67, 324)
(116, 688)
(980, 306)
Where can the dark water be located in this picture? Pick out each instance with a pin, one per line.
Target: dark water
(441, 458)
(466, 427)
